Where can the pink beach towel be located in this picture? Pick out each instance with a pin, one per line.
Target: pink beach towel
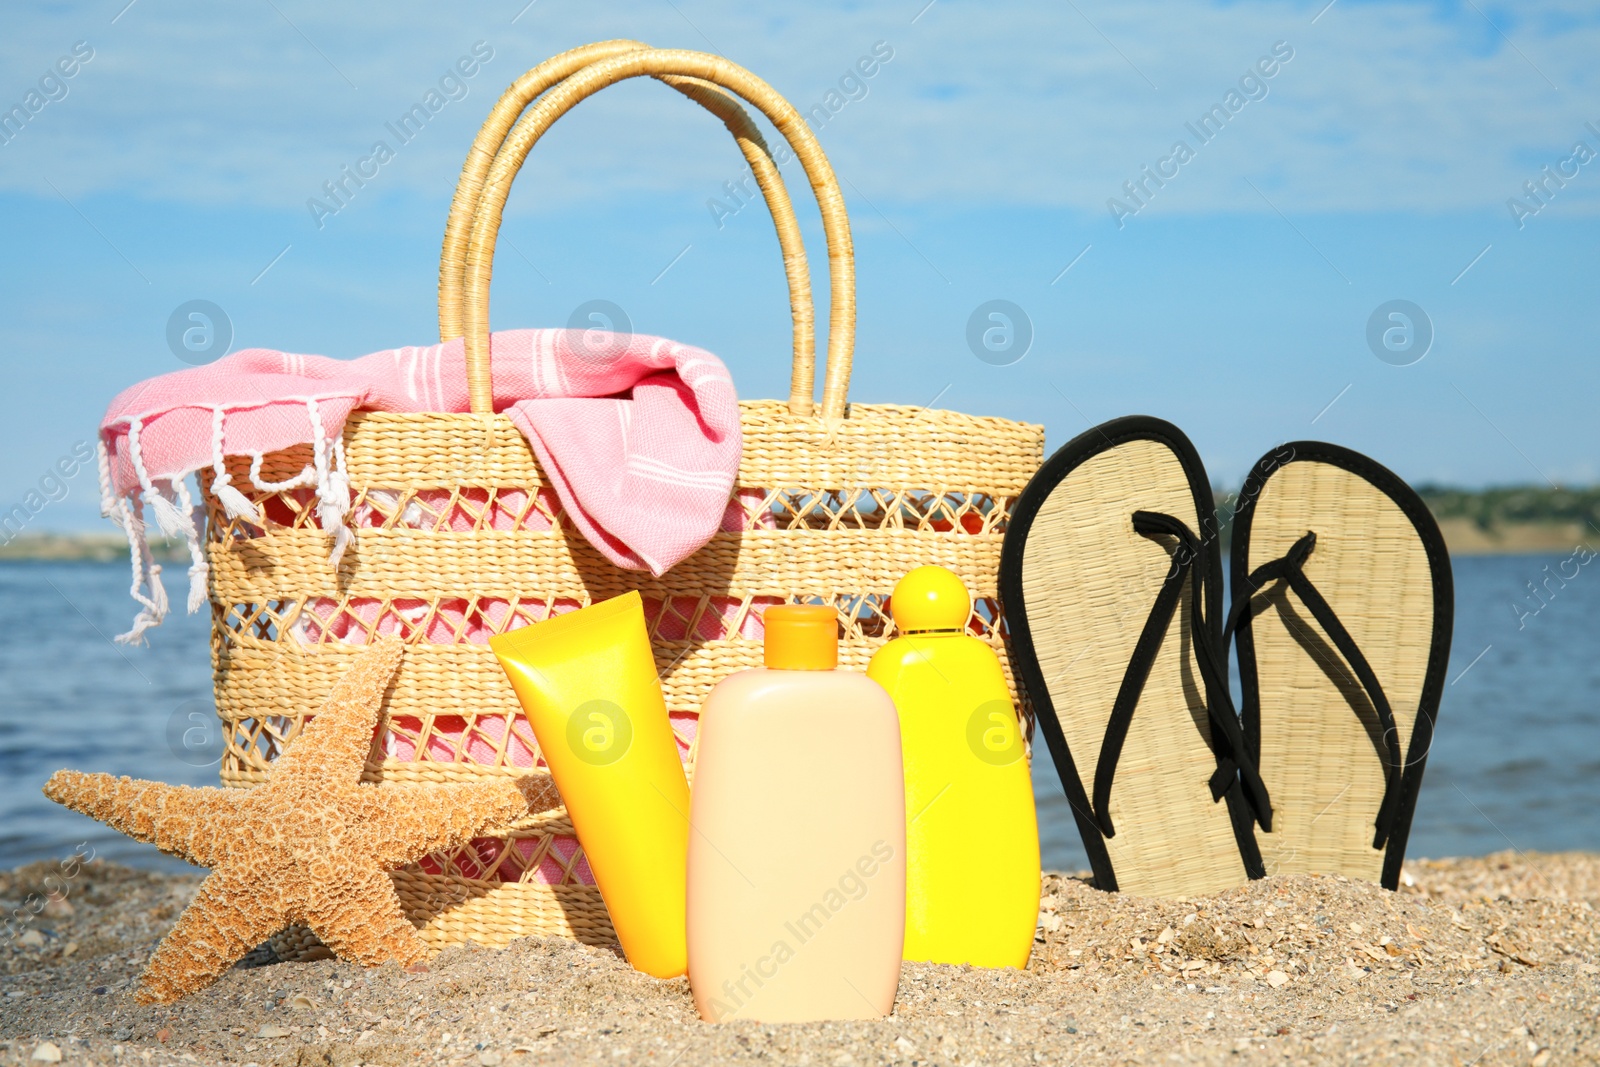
(639, 436)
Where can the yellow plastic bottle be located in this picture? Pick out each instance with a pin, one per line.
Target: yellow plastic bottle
(972, 836)
(587, 682)
(797, 888)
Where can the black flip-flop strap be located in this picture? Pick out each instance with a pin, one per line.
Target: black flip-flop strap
(1291, 568)
(1128, 694)
(1272, 571)
(1188, 561)
(1233, 759)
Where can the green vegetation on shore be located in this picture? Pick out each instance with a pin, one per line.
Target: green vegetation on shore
(77, 547)
(1511, 519)
(1490, 509)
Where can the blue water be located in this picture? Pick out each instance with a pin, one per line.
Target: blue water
(1516, 763)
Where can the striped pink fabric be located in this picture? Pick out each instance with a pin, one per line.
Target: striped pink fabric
(638, 435)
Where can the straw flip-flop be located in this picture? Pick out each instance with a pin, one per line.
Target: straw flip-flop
(1343, 605)
(1110, 578)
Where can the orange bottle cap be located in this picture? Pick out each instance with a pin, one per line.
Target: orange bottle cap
(930, 598)
(801, 637)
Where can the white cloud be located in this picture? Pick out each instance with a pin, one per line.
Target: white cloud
(1386, 106)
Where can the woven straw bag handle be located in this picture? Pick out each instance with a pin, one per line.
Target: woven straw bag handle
(469, 190)
(688, 68)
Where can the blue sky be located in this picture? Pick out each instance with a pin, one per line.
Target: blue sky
(1374, 164)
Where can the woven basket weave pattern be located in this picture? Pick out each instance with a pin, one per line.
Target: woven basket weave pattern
(458, 534)
(838, 515)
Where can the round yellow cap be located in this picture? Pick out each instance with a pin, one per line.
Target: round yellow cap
(801, 637)
(930, 598)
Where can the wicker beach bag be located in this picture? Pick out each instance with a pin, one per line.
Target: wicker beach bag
(457, 534)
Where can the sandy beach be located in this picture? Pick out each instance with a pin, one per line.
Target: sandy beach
(1474, 961)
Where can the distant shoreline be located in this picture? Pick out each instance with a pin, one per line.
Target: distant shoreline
(83, 548)
(1465, 537)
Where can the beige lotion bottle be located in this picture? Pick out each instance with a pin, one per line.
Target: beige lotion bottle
(797, 870)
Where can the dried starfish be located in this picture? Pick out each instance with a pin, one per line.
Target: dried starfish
(310, 846)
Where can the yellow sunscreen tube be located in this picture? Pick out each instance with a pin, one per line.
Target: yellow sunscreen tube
(588, 685)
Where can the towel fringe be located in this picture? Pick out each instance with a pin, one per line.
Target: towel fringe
(234, 503)
(307, 476)
(166, 512)
(108, 498)
(199, 572)
(146, 572)
(333, 485)
(174, 511)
